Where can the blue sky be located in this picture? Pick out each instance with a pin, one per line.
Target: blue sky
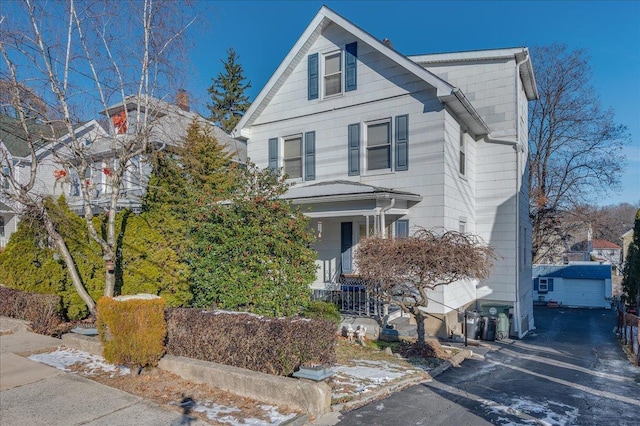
(263, 32)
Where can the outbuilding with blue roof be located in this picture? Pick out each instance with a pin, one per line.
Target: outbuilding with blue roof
(585, 285)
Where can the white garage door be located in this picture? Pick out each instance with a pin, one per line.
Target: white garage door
(588, 293)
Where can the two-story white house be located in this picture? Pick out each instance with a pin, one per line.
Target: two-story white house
(378, 142)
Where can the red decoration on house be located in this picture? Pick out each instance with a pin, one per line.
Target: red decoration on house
(107, 171)
(120, 122)
(59, 174)
(87, 182)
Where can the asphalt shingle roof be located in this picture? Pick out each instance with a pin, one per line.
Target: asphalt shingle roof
(594, 272)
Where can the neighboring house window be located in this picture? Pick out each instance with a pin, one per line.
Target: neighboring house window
(298, 155)
(402, 228)
(133, 174)
(333, 74)
(292, 159)
(462, 226)
(379, 145)
(337, 73)
(74, 188)
(5, 178)
(462, 167)
(543, 285)
(1, 226)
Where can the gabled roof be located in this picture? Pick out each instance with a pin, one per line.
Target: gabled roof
(15, 139)
(5, 208)
(446, 93)
(593, 272)
(604, 244)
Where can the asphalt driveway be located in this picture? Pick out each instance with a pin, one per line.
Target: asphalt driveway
(569, 371)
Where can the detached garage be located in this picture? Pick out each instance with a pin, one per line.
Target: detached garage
(587, 286)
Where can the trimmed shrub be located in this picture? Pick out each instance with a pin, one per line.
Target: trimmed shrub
(132, 331)
(42, 310)
(319, 309)
(269, 345)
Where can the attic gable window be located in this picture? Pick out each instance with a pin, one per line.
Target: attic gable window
(335, 71)
(333, 74)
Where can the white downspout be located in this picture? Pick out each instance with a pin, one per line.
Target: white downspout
(382, 217)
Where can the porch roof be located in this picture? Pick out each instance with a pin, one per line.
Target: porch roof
(344, 190)
(344, 198)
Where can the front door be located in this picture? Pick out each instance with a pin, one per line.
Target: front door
(346, 247)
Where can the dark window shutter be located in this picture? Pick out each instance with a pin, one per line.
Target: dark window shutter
(402, 142)
(550, 284)
(313, 76)
(402, 228)
(351, 61)
(536, 285)
(310, 156)
(354, 149)
(273, 154)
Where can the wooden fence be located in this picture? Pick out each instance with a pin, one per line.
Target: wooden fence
(628, 326)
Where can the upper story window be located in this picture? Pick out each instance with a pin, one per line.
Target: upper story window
(6, 172)
(379, 149)
(379, 145)
(292, 157)
(462, 166)
(339, 72)
(2, 226)
(295, 154)
(333, 74)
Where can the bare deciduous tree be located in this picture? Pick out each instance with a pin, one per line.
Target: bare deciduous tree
(78, 58)
(403, 270)
(575, 146)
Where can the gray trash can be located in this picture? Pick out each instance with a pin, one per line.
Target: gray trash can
(472, 325)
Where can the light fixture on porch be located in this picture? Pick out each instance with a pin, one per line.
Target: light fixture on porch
(319, 229)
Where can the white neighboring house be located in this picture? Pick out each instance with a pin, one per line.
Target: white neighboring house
(16, 161)
(378, 142)
(168, 124)
(168, 127)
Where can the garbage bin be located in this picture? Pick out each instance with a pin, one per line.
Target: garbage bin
(502, 331)
(489, 329)
(472, 325)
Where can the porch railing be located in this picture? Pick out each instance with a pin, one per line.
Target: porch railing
(352, 298)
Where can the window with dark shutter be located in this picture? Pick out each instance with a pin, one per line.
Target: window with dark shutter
(351, 61)
(354, 149)
(310, 156)
(402, 142)
(273, 154)
(313, 76)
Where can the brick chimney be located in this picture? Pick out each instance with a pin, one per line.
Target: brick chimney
(182, 100)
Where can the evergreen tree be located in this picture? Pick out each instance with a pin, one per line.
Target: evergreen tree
(631, 279)
(229, 101)
(253, 254)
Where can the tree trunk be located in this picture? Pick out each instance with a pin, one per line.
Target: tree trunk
(420, 324)
(71, 266)
(109, 278)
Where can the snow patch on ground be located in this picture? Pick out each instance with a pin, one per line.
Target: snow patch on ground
(63, 358)
(365, 376)
(547, 413)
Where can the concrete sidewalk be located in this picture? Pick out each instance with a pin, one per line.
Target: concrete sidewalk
(35, 394)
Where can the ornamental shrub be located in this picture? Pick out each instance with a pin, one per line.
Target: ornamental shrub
(41, 310)
(132, 331)
(269, 345)
(253, 252)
